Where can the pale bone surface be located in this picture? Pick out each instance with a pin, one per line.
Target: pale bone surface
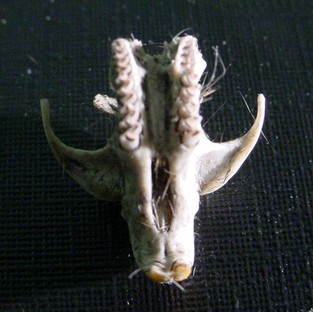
(159, 160)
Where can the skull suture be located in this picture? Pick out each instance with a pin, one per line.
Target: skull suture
(159, 161)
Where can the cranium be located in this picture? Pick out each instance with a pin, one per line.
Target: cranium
(159, 160)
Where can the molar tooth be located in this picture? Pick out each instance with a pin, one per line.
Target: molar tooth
(126, 86)
(186, 93)
(118, 45)
(127, 143)
(130, 139)
(190, 79)
(184, 111)
(128, 109)
(122, 78)
(122, 63)
(128, 122)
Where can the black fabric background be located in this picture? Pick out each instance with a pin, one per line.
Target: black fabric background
(62, 250)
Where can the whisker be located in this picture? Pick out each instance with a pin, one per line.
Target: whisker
(180, 287)
(172, 208)
(131, 275)
(170, 173)
(220, 107)
(249, 110)
(144, 268)
(181, 32)
(194, 271)
(218, 60)
(155, 213)
(208, 88)
(166, 188)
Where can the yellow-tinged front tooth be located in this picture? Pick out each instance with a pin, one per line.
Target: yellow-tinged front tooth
(180, 271)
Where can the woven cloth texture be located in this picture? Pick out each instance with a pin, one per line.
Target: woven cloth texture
(62, 250)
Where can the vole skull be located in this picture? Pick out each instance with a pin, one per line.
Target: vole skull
(159, 161)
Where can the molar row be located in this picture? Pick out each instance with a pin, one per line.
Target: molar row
(188, 97)
(129, 94)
